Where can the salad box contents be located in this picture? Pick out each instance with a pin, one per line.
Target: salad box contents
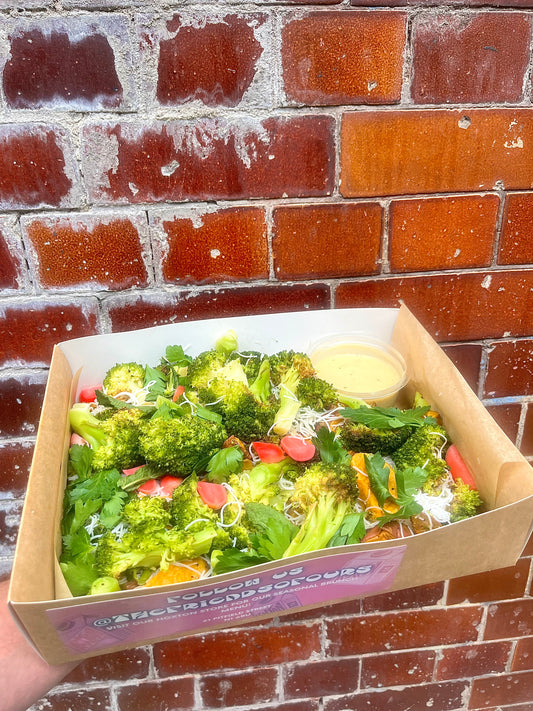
(200, 475)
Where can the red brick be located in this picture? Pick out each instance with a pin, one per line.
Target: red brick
(485, 304)
(446, 696)
(498, 584)
(51, 66)
(507, 417)
(510, 369)
(239, 688)
(28, 331)
(474, 58)
(523, 655)
(67, 700)
(459, 3)
(401, 668)
(165, 695)
(10, 513)
(395, 152)
(11, 257)
(421, 596)
(210, 159)
(442, 233)
(472, 660)
(324, 677)
(344, 58)
(307, 705)
(516, 246)
(326, 240)
(88, 251)
(142, 312)
(237, 649)
(213, 62)
(15, 462)
(494, 690)
(350, 607)
(509, 619)
(402, 630)
(209, 247)
(526, 446)
(467, 359)
(36, 167)
(130, 664)
(21, 399)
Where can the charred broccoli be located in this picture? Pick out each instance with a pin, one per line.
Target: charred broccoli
(283, 361)
(466, 501)
(316, 393)
(424, 449)
(357, 437)
(124, 378)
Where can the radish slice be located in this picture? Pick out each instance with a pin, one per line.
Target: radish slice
(297, 448)
(89, 394)
(268, 453)
(213, 495)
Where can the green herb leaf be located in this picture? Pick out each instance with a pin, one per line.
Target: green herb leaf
(133, 481)
(387, 418)
(330, 449)
(408, 482)
(226, 461)
(206, 414)
(79, 461)
(231, 559)
(274, 530)
(111, 511)
(378, 475)
(117, 404)
(351, 530)
(102, 485)
(156, 382)
(176, 356)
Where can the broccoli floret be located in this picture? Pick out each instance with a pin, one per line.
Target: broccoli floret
(180, 445)
(227, 343)
(466, 501)
(261, 484)
(357, 437)
(424, 448)
(288, 402)
(124, 378)
(157, 550)
(283, 361)
(316, 393)
(148, 512)
(325, 494)
(205, 367)
(187, 506)
(250, 361)
(114, 440)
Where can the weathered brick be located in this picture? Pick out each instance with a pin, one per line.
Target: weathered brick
(516, 246)
(28, 331)
(395, 152)
(15, 462)
(413, 667)
(453, 3)
(69, 63)
(445, 696)
(10, 513)
(485, 304)
(507, 417)
(123, 666)
(510, 369)
(12, 268)
(37, 168)
(199, 246)
(421, 596)
(509, 619)
(160, 694)
(467, 359)
(469, 58)
(209, 159)
(335, 240)
(142, 312)
(523, 655)
(402, 630)
(442, 233)
(66, 700)
(498, 584)
(503, 689)
(88, 251)
(472, 660)
(237, 649)
(21, 398)
(212, 60)
(324, 677)
(344, 58)
(239, 688)
(526, 446)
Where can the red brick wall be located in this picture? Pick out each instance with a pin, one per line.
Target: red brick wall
(158, 165)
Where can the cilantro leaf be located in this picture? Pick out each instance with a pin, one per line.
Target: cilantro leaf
(330, 449)
(176, 356)
(351, 530)
(231, 559)
(111, 511)
(408, 482)
(155, 382)
(79, 461)
(387, 417)
(378, 475)
(274, 530)
(226, 461)
(102, 485)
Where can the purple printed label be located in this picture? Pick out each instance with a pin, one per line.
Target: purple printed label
(91, 627)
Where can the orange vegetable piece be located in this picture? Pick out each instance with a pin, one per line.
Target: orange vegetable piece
(180, 572)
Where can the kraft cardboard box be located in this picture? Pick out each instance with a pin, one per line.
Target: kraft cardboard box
(65, 628)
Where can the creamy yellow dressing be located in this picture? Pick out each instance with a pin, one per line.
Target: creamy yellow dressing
(357, 369)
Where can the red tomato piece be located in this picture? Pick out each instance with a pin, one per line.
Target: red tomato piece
(89, 394)
(213, 495)
(458, 468)
(301, 450)
(76, 439)
(268, 453)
